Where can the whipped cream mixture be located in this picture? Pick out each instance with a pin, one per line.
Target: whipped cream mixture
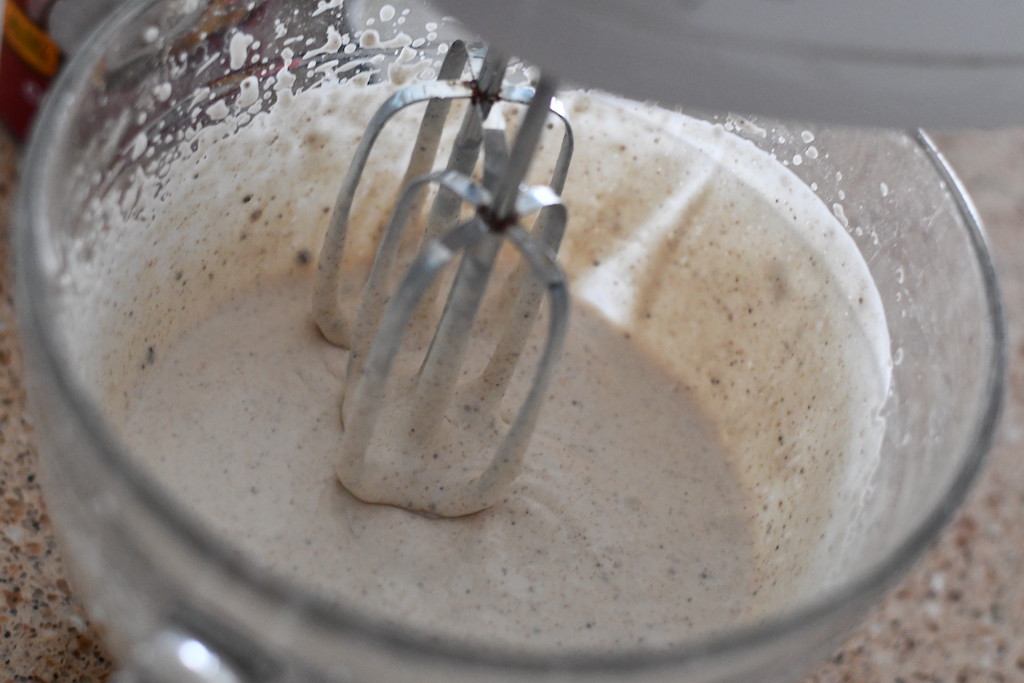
(701, 459)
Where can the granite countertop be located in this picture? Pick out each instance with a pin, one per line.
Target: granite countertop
(958, 616)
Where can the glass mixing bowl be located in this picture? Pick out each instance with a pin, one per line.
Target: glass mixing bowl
(175, 602)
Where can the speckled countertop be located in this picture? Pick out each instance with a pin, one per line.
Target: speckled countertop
(958, 616)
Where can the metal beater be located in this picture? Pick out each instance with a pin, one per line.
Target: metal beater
(410, 441)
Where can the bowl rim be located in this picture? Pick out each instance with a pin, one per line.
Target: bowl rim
(41, 163)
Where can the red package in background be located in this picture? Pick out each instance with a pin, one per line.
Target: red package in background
(39, 36)
(29, 58)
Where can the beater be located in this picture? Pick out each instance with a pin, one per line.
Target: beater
(433, 412)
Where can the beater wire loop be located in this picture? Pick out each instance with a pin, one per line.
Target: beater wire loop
(396, 428)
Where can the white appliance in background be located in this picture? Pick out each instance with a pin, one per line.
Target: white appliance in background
(877, 62)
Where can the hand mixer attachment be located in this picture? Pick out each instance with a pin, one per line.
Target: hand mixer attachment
(417, 441)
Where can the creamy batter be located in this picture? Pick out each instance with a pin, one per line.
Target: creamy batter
(711, 430)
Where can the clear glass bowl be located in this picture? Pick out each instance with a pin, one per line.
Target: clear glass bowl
(174, 601)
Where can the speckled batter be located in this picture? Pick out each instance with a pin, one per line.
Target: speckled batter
(711, 432)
